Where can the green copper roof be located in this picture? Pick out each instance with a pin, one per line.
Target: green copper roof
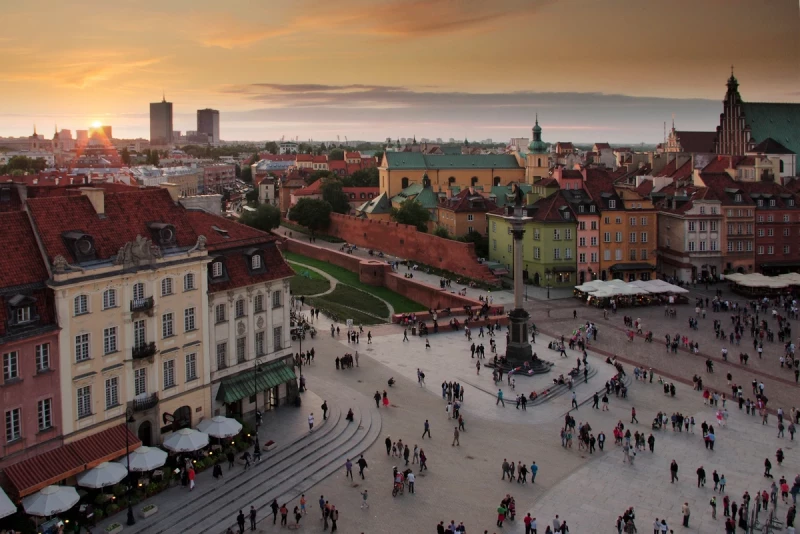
(424, 195)
(537, 146)
(502, 193)
(781, 122)
(416, 160)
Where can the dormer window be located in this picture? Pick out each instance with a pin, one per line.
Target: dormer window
(163, 234)
(22, 310)
(255, 259)
(580, 209)
(790, 202)
(216, 269)
(737, 197)
(760, 202)
(255, 262)
(612, 204)
(772, 203)
(591, 209)
(23, 314)
(81, 245)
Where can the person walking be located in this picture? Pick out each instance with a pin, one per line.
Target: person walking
(191, 474)
(633, 415)
(574, 401)
(456, 433)
(651, 442)
(673, 471)
(364, 503)
(324, 410)
(310, 422)
(427, 430)
(388, 443)
(252, 517)
(713, 504)
(534, 470)
(405, 335)
(274, 507)
(596, 401)
(685, 511)
(348, 469)
(410, 478)
(231, 458)
(362, 464)
(240, 522)
(284, 514)
(377, 398)
(500, 398)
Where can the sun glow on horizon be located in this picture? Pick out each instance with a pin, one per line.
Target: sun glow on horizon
(97, 124)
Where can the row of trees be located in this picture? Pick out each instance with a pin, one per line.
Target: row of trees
(19, 165)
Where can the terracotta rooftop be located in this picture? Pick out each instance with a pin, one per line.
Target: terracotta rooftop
(697, 142)
(468, 201)
(21, 262)
(126, 216)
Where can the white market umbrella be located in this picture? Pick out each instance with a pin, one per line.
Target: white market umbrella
(145, 459)
(186, 440)
(6, 506)
(220, 427)
(51, 500)
(105, 474)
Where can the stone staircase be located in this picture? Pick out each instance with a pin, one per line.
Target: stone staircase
(284, 474)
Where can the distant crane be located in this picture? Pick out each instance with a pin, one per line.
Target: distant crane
(346, 142)
(337, 139)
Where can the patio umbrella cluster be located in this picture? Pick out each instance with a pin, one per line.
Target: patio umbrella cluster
(53, 500)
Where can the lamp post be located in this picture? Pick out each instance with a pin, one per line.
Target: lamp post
(547, 274)
(129, 419)
(256, 370)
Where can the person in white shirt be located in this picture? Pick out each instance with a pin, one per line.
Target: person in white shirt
(410, 479)
(310, 422)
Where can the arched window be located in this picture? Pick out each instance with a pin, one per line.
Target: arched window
(188, 282)
(496, 180)
(81, 304)
(239, 308)
(781, 165)
(258, 303)
(216, 269)
(404, 183)
(451, 180)
(474, 181)
(138, 291)
(166, 287)
(255, 262)
(109, 299)
(538, 162)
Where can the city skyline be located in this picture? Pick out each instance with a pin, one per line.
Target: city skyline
(376, 69)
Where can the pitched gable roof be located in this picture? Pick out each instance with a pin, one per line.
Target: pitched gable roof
(126, 216)
(469, 201)
(771, 146)
(21, 262)
(697, 142)
(416, 160)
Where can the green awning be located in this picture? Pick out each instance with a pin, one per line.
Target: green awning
(247, 383)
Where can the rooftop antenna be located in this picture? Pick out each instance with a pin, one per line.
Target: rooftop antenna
(163, 95)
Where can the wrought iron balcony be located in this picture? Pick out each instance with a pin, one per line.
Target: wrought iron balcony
(145, 402)
(142, 305)
(146, 350)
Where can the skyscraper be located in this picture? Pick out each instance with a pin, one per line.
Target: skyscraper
(208, 123)
(161, 122)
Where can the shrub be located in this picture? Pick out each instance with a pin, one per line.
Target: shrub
(112, 509)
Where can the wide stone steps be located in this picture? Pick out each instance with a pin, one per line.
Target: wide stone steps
(293, 474)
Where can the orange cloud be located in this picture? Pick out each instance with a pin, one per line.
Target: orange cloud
(81, 75)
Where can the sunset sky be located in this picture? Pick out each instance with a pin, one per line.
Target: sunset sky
(610, 70)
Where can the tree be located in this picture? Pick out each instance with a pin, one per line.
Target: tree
(252, 196)
(333, 194)
(271, 147)
(411, 212)
(266, 217)
(441, 231)
(378, 156)
(152, 157)
(362, 178)
(126, 156)
(337, 154)
(313, 213)
(481, 243)
(246, 174)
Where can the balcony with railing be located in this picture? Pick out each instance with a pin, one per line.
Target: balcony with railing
(145, 350)
(142, 305)
(144, 402)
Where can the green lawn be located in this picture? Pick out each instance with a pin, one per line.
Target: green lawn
(341, 313)
(308, 282)
(354, 298)
(400, 303)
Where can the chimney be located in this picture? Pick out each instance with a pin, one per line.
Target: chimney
(57, 180)
(174, 190)
(96, 197)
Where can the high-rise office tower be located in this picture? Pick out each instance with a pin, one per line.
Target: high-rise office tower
(208, 124)
(161, 122)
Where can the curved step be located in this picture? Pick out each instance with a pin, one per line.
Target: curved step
(210, 503)
(291, 488)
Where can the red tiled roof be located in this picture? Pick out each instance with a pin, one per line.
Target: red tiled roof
(314, 189)
(352, 155)
(304, 157)
(571, 173)
(697, 142)
(721, 163)
(366, 190)
(10, 199)
(547, 182)
(320, 159)
(600, 146)
(31, 475)
(645, 188)
(277, 157)
(21, 262)
(50, 190)
(336, 164)
(549, 208)
(126, 216)
(462, 203)
(719, 182)
(230, 247)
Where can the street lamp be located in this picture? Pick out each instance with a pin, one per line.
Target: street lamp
(547, 275)
(256, 370)
(129, 419)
